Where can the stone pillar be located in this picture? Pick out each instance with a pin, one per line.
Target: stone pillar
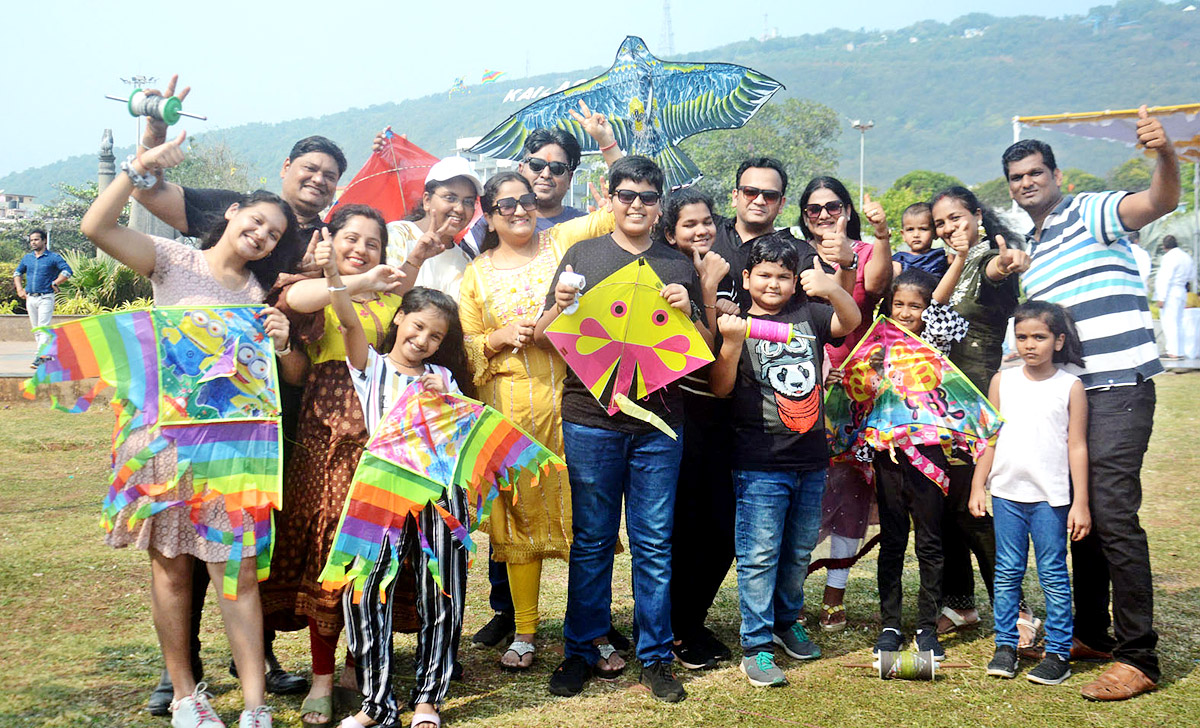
(108, 167)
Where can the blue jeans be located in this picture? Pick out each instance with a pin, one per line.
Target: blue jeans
(605, 465)
(1015, 524)
(778, 517)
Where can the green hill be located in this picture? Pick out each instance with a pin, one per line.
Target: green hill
(942, 95)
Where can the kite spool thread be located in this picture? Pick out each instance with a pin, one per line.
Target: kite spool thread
(906, 665)
(577, 281)
(155, 106)
(776, 331)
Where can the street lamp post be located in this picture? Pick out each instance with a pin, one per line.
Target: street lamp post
(862, 127)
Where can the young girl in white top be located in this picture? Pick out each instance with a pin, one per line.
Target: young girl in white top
(425, 330)
(1038, 475)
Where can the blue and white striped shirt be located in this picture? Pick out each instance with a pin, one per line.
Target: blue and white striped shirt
(1084, 263)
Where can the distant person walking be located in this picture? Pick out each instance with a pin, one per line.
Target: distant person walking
(1175, 273)
(44, 272)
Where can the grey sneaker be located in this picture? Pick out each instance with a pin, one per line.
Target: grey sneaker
(796, 643)
(762, 672)
(1052, 670)
(1004, 662)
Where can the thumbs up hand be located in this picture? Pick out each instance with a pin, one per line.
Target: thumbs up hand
(1150, 132)
(816, 282)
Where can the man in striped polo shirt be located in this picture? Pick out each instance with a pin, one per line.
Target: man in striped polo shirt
(1081, 260)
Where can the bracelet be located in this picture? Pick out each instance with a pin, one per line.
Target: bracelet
(140, 181)
(335, 289)
(409, 262)
(285, 352)
(710, 305)
(610, 146)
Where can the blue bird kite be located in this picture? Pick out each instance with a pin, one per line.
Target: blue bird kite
(651, 104)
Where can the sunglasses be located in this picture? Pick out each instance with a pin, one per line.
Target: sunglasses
(834, 209)
(508, 205)
(558, 169)
(626, 197)
(752, 193)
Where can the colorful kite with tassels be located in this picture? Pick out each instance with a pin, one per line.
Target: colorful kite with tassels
(625, 339)
(427, 445)
(203, 379)
(898, 392)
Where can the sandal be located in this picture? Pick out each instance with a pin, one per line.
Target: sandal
(607, 673)
(520, 648)
(322, 706)
(1029, 650)
(957, 621)
(833, 619)
(427, 719)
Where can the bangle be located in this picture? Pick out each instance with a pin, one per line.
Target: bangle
(409, 262)
(285, 352)
(610, 146)
(710, 305)
(335, 289)
(141, 181)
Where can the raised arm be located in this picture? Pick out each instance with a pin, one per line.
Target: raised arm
(819, 284)
(352, 330)
(877, 272)
(598, 128)
(723, 374)
(165, 199)
(1142, 208)
(134, 249)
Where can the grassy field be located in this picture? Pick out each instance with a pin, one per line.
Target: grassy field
(79, 649)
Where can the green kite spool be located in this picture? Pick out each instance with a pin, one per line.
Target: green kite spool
(906, 665)
(165, 109)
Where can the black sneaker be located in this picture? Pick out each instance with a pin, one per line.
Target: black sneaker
(1052, 670)
(720, 651)
(890, 640)
(619, 641)
(660, 678)
(927, 641)
(694, 654)
(1004, 662)
(570, 676)
(500, 629)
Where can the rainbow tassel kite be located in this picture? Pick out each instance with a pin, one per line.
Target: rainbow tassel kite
(428, 444)
(204, 380)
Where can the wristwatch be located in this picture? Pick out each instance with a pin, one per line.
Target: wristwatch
(853, 263)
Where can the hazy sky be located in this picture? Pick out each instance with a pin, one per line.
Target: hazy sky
(269, 61)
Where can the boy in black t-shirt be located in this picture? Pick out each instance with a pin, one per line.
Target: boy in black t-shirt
(618, 456)
(779, 450)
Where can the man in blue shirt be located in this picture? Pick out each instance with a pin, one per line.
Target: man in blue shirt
(44, 271)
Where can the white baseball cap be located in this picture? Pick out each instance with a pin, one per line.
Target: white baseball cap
(451, 167)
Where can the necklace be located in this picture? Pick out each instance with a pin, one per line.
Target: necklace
(402, 367)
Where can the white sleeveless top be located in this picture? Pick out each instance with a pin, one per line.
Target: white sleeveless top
(1031, 451)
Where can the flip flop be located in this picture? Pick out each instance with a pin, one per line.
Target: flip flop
(607, 651)
(322, 705)
(520, 648)
(957, 621)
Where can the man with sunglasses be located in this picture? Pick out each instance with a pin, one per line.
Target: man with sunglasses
(759, 194)
(548, 161)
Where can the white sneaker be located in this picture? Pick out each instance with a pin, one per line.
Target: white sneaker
(195, 711)
(260, 717)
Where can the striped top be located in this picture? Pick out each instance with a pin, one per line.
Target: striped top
(380, 384)
(1083, 262)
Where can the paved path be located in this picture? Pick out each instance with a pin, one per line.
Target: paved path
(15, 358)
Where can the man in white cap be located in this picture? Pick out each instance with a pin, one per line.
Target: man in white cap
(423, 244)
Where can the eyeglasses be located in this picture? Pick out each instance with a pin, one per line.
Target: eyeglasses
(649, 197)
(508, 205)
(834, 209)
(558, 169)
(752, 193)
(453, 199)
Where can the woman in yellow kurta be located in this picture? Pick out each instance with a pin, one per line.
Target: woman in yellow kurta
(502, 294)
